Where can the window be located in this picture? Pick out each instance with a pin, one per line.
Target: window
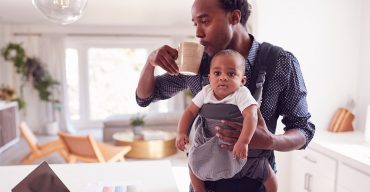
(102, 76)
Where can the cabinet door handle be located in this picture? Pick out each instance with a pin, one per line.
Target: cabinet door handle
(307, 182)
(309, 189)
(310, 159)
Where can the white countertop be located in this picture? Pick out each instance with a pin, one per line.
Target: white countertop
(348, 147)
(155, 176)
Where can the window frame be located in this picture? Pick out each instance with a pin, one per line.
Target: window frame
(82, 44)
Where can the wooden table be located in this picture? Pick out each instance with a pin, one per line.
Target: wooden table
(147, 176)
(154, 144)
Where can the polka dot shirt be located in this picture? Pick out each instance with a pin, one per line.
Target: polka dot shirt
(285, 95)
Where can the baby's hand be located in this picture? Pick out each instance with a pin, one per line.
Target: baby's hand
(181, 141)
(240, 150)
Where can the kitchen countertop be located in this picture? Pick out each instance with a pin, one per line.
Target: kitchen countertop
(348, 147)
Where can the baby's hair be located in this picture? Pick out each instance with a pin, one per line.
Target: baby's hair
(241, 63)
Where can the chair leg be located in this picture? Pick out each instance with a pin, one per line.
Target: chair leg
(72, 159)
(28, 159)
(121, 159)
(64, 154)
(117, 158)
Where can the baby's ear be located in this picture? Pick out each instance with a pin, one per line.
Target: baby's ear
(244, 80)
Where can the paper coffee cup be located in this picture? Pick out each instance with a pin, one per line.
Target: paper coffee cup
(189, 57)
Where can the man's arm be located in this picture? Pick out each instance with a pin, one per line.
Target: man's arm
(152, 88)
(146, 83)
(163, 57)
(291, 140)
(294, 108)
(263, 139)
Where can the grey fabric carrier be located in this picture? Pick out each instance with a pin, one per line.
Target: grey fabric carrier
(209, 162)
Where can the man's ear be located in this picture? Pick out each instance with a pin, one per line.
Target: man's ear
(244, 80)
(234, 17)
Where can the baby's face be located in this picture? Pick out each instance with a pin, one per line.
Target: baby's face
(225, 75)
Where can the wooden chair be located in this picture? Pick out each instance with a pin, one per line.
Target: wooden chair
(39, 151)
(86, 149)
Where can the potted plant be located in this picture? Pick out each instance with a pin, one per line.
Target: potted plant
(137, 122)
(32, 71)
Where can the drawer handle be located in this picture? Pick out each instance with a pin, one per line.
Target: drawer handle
(310, 159)
(307, 182)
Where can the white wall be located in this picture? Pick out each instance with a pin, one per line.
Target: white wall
(2, 64)
(6, 68)
(364, 72)
(325, 36)
(330, 40)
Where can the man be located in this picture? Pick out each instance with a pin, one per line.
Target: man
(220, 24)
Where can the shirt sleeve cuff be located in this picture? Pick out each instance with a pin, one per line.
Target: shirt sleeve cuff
(307, 138)
(143, 102)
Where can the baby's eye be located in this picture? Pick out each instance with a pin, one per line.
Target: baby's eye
(216, 73)
(231, 74)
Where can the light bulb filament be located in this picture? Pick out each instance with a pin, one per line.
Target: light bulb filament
(62, 4)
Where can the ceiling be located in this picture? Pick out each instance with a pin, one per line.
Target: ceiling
(166, 13)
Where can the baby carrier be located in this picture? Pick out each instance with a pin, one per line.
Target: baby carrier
(219, 163)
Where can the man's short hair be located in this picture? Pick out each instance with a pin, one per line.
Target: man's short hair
(242, 5)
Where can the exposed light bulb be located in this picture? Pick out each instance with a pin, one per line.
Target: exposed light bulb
(61, 11)
(62, 4)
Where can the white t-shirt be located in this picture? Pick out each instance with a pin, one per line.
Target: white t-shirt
(241, 98)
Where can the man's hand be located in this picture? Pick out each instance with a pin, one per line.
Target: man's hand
(228, 135)
(262, 138)
(165, 57)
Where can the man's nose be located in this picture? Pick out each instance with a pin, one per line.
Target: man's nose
(199, 32)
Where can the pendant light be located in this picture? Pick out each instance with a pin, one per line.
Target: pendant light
(61, 11)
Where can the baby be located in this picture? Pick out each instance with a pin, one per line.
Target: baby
(225, 98)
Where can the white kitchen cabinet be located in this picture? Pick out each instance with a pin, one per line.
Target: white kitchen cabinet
(352, 178)
(313, 172)
(342, 189)
(333, 162)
